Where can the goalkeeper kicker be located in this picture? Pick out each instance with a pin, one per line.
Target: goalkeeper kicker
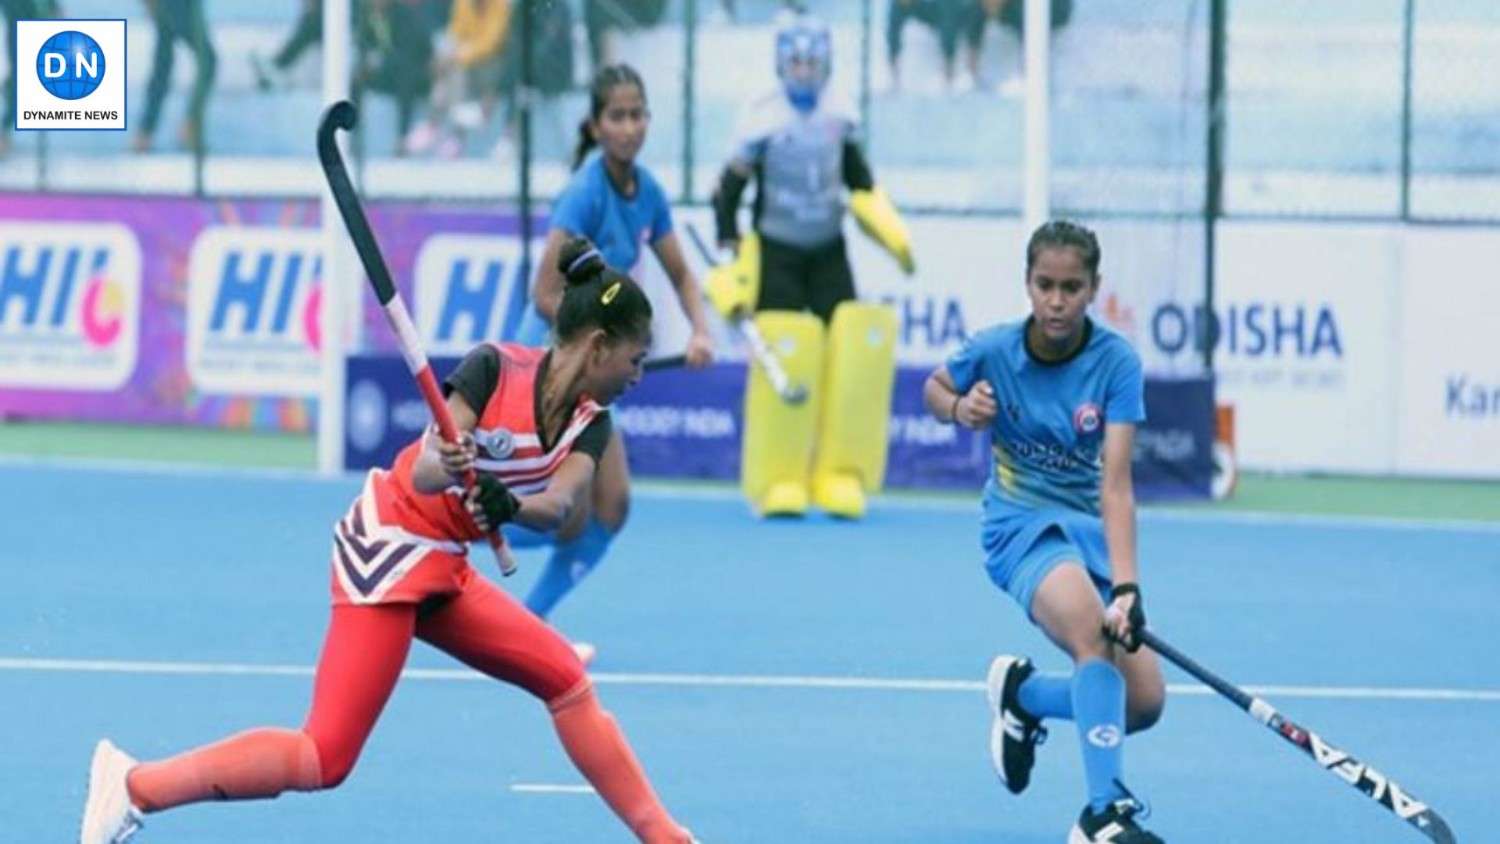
(791, 275)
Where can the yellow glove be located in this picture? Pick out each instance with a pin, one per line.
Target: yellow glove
(875, 214)
(733, 288)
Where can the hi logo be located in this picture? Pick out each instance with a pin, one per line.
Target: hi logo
(1365, 778)
(70, 309)
(254, 295)
(469, 288)
(70, 74)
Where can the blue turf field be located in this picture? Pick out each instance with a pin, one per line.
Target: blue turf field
(783, 682)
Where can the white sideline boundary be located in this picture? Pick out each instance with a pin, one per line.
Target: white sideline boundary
(550, 788)
(733, 681)
(672, 491)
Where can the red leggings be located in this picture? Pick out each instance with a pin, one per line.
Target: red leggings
(362, 659)
(366, 647)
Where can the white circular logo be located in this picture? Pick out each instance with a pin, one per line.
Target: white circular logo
(1104, 735)
(367, 416)
(1087, 418)
(499, 443)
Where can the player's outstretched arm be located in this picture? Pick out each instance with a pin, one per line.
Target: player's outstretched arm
(1117, 509)
(700, 350)
(568, 490)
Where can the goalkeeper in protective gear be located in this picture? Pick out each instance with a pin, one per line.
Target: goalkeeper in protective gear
(792, 275)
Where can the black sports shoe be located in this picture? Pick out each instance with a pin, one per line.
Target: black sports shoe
(1015, 733)
(1116, 824)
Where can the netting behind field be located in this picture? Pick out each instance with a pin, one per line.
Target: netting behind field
(1455, 115)
(1318, 124)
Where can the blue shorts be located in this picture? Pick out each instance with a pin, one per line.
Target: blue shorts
(1022, 552)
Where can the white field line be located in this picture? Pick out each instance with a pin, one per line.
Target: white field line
(743, 681)
(549, 788)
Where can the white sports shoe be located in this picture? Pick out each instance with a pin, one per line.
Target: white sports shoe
(586, 652)
(108, 816)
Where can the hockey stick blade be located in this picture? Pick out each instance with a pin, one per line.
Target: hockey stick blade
(1367, 780)
(343, 115)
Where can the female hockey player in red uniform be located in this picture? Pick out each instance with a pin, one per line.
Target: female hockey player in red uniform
(535, 425)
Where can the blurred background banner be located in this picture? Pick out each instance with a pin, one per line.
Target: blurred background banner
(192, 311)
(687, 424)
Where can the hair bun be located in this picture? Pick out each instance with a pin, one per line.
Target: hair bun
(579, 261)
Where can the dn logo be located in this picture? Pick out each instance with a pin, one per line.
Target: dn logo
(70, 65)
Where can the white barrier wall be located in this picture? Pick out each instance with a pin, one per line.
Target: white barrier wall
(1447, 405)
(1363, 348)
(1307, 351)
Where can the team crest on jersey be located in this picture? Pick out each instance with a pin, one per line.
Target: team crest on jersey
(1087, 418)
(500, 443)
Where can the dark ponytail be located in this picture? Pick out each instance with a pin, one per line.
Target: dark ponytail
(1056, 234)
(595, 296)
(599, 90)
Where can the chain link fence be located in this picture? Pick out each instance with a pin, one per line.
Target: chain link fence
(1369, 109)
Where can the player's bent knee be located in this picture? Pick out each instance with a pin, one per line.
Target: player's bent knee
(1143, 715)
(1144, 704)
(577, 520)
(613, 511)
(579, 691)
(336, 757)
(1088, 643)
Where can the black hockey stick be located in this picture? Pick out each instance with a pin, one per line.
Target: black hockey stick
(342, 115)
(1370, 782)
(760, 350)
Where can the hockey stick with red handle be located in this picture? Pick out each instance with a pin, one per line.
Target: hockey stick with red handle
(343, 115)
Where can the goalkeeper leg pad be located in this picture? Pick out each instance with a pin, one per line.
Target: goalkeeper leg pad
(777, 445)
(855, 407)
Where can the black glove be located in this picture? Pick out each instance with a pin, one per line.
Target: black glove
(1137, 614)
(499, 503)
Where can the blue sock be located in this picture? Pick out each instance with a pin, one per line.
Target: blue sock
(1048, 696)
(571, 562)
(1099, 709)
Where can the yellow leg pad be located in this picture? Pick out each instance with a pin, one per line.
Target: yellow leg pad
(777, 446)
(855, 407)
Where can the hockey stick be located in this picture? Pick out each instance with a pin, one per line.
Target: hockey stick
(1369, 781)
(760, 350)
(342, 115)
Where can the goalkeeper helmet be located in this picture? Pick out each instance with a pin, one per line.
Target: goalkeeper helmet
(804, 59)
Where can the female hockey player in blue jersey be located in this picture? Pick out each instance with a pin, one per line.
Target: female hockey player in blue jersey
(617, 204)
(1060, 396)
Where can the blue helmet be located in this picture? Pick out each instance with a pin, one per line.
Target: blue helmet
(804, 59)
